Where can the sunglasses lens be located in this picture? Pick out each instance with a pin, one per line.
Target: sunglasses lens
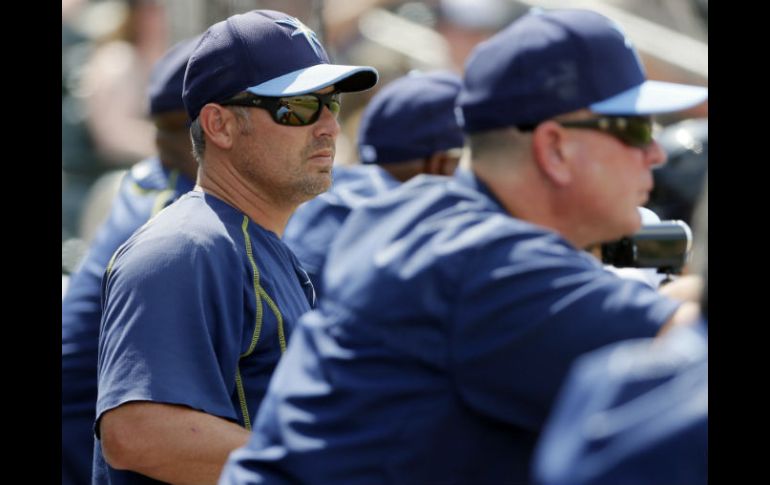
(637, 132)
(297, 110)
(335, 105)
(304, 110)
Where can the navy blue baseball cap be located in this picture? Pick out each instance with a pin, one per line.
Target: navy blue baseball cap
(548, 63)
(267, 53)
(412, 117)
(167, 77)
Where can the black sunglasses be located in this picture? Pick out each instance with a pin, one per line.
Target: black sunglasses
(635, 131)
(301, 110)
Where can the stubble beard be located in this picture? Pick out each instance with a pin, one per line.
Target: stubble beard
(301, 183)
(310, 181)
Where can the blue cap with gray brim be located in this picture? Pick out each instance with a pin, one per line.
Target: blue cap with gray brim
(167, 78)
(548, 63)
(412, 117)
(267, 53)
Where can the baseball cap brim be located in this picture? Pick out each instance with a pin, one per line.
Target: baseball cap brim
(313, 78)
(652, 97)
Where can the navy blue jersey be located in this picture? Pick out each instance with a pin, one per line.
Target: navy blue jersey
(633, 413)
(444, 334)
(198, 307)
(315, 223)
(146, 189)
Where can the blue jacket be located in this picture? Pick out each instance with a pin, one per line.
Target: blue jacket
(445, 332)
(632, 413)
(315, 223)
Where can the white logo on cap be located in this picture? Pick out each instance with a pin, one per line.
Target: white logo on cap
(368, 153)
(305, 31)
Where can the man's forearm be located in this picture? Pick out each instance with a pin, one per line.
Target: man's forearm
(686, 289)
(174, 444)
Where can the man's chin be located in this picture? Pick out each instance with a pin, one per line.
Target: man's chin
(320, 183)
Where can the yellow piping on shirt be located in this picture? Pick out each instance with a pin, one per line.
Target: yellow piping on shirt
(259, 295)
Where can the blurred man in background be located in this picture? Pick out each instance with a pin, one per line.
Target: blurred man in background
(147, 188)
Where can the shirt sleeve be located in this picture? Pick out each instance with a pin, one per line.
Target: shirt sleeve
(529, 308)
(171, 329)
(631, 412)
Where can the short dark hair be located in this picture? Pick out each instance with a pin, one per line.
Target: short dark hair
(198, 138)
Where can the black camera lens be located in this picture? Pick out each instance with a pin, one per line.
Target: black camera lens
(664, 245)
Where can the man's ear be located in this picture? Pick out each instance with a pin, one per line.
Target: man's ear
(219, 124)
(440, 163)
(549, 149)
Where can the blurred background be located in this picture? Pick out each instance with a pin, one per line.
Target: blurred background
(109, 47)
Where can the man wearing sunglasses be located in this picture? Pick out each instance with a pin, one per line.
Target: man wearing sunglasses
(636, 411)
(407, 129)
(455, 311)
(199, 304)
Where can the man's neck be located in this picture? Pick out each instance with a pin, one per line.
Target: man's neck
(527, 199)
(229, 187)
